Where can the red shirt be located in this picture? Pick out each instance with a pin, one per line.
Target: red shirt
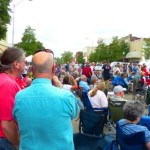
(145, 71)
(8, 90)
(21, 82)
(87, 71)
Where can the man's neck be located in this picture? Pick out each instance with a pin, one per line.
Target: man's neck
(14, 74)
(43, 75)
(134, 122)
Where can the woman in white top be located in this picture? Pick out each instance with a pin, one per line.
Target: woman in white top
(69, 83)
(97, 97)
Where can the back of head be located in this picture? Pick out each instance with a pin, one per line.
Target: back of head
(9, 56)
(42, 62)
(66, 80)
(118, 89)
(101, 85)
(132, 110)
(83, 77)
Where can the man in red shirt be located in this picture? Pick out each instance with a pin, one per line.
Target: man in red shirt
(87, 72)
(12, 64)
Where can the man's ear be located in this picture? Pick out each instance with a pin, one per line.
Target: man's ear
(16, 64)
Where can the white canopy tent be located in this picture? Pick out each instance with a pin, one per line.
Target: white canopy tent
(29, 58)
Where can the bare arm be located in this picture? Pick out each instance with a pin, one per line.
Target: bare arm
(11, 132)
(57, 82)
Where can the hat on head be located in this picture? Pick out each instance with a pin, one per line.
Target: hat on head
(118, 89)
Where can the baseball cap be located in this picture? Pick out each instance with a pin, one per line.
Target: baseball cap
(118, 89)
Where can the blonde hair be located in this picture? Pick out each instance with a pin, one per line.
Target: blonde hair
(93, 81)
(100, 86)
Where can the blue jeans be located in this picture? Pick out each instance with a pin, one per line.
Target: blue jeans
(6, 145)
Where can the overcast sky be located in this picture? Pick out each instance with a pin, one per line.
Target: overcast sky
(71, 25)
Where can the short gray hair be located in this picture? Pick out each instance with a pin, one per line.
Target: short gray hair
(133, 109)
(82, 77)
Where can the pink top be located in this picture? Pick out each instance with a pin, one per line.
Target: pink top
(8, 90)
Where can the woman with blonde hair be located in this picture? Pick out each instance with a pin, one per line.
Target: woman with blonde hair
(97, 97)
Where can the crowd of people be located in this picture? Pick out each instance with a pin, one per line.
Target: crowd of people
(38, 102)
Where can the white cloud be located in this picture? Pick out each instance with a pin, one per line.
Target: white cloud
(65, 25)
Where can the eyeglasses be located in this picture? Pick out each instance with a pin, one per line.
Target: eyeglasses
(44, 50)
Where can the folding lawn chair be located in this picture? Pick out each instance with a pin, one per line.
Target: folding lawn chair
(139, 91)
(116, 111)
(86, 142)
(145, 121)
(91, 124)
(135, 141)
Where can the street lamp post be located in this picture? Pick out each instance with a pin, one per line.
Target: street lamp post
(13, 20)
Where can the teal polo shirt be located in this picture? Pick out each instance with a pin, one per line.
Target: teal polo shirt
(44, 113)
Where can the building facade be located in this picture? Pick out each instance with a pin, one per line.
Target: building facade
(87, 51)
(136, 53)
(3, 45)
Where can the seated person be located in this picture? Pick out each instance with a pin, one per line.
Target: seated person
(93, 83)
(131, 77)
(142, 79)
(133, 111)
(83, 84)
(118, 93)
(69, 83)
(102, 87)
(128, 84)
(118, 80)
(97, 97)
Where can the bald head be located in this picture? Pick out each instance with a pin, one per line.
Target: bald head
(42, 62)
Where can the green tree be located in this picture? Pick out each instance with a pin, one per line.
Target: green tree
(92, 57)
(147, 49)
(80, 58)
(125, 48)
(115, 50)
(29, 42)
(59, 60)
(100, 53)
(118, 49)
(67, 56)
(4, 17)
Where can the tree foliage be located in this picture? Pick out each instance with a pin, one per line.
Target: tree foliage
(4, 17)
(80, 58)
(112, 52)
(147, 49)
(67, 56)
(59, 60)
(29, 42)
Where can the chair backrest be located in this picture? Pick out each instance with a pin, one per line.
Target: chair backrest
(91, 123)
(145, 121)
(86, 101)
(116, 109)
(134, 141)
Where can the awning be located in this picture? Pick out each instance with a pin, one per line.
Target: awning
(134, 54)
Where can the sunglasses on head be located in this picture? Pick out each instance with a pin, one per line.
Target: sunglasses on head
(44, 50)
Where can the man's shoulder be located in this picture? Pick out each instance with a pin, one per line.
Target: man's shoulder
(117, 98)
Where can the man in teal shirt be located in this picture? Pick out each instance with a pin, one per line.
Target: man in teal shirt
(44, 112)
